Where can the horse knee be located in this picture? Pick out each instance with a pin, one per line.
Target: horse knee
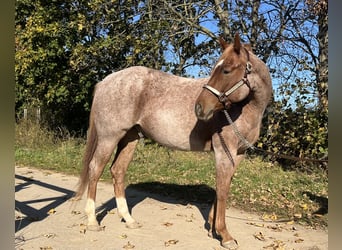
(117, 172)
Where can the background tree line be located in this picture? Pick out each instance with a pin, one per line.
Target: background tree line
(63, 48)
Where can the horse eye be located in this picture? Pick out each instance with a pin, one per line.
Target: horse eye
(225, 71)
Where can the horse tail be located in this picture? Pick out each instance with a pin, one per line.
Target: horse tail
(88, 155)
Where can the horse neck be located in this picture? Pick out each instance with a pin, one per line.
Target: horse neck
(261, 85)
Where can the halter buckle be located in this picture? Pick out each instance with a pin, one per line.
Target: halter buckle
(223, 98)
(248, 67)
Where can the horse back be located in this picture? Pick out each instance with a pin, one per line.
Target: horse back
(159, 103)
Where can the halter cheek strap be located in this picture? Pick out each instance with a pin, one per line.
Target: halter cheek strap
(223, 96)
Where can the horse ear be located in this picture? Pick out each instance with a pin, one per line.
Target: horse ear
(248, 47)
(237, 43)
(223, 43)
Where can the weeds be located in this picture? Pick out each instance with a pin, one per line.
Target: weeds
(259, 186)
(38, 147)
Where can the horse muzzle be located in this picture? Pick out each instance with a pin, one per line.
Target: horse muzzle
(203, 114)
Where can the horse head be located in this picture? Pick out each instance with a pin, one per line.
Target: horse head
(228, 81)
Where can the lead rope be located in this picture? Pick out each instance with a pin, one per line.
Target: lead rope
(225, 148)
(237, 132)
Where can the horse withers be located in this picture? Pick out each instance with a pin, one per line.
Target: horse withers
(179, 113)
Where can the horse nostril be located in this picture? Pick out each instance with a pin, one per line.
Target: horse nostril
(198, 110)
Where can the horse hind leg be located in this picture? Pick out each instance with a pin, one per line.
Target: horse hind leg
(123, 157)
(101, 156)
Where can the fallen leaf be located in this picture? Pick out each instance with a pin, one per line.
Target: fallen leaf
(19, 217)
(276, 245)
(192, 217)
(170, 242)
(167, 224)
(269, 217)
(50, 235)
(255, 224)
(123, 236)
(128, 246)
(259, 236)
(45, 248)
(275, 228)
(300, 240)
(52, 211)
(274, 217)
(111, 211)
(304, 206)
(297, 216)
(83, 228)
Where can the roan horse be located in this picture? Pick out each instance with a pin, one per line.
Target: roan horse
(161, 106)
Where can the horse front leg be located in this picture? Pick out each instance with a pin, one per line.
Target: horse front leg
(223, 179)
(217, 214)
(225, 169)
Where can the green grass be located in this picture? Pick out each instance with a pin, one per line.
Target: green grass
(258, 186)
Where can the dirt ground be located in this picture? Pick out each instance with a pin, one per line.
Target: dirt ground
(46, 219)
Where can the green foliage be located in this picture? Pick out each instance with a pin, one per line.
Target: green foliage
(299, 131)
(64, 49)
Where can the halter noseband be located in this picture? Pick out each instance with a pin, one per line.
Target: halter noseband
(223, 96)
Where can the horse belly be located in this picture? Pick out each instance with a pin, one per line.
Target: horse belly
(175, 130)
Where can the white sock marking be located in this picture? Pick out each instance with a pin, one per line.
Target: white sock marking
(123, 210)
(90, 211)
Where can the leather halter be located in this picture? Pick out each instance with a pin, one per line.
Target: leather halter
(223, 96)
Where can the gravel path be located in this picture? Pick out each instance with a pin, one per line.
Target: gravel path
(45, 219)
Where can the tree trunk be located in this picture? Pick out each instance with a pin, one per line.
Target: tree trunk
(255, 24)
(223, 15)
(322, 66)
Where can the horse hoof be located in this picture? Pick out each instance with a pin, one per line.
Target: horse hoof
(95, 228)
(231, 245)
(133, 225)
(210, 234)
